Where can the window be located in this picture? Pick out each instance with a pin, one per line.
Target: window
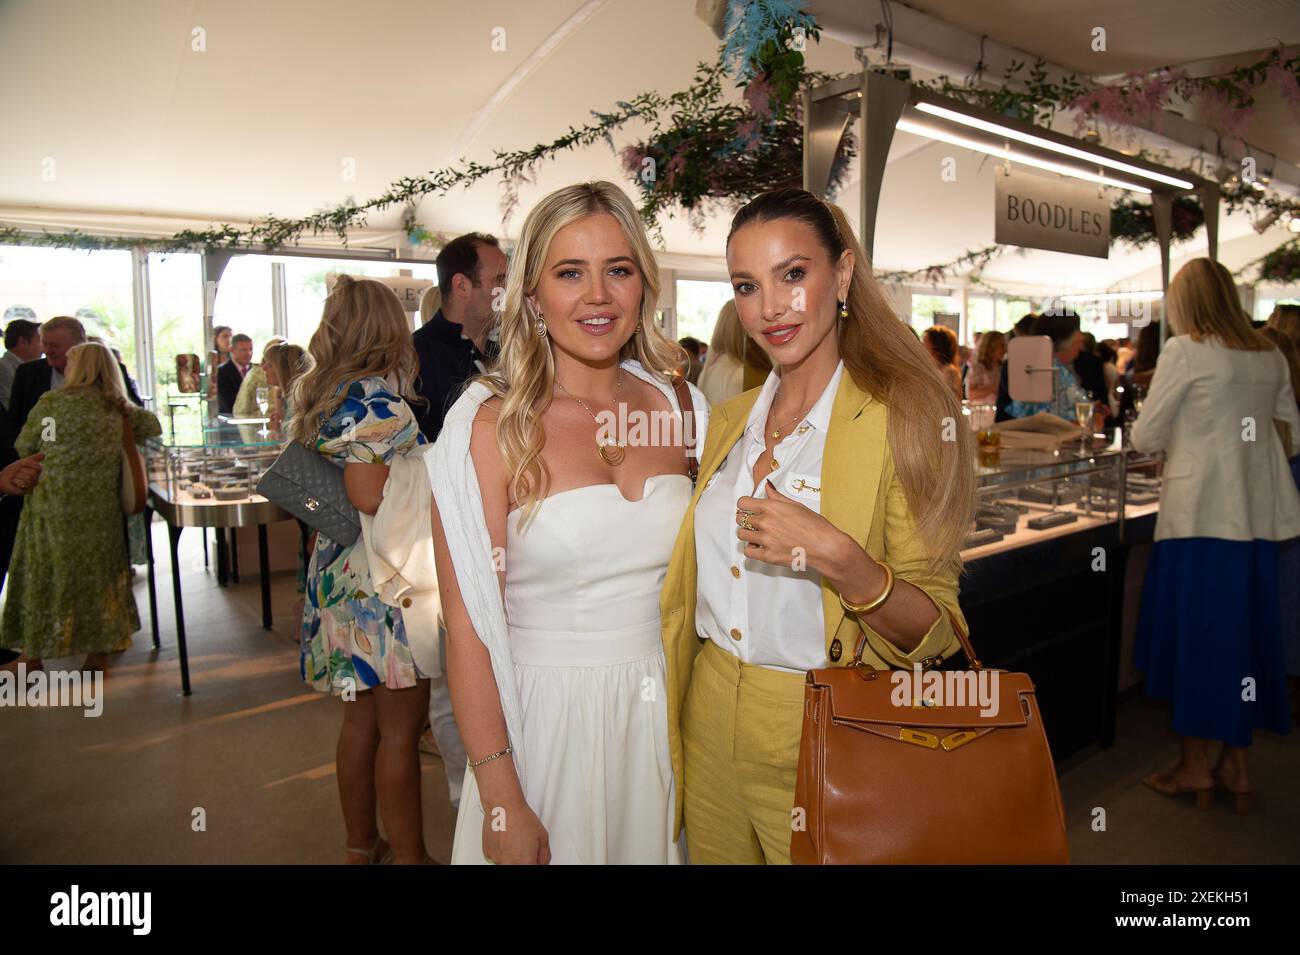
(244, 300)
(176, 305)
(924, 308)
(698, 304)
(981, 315)
(1264, 306)
(304, 286)
(1008, 311)
(95, 287)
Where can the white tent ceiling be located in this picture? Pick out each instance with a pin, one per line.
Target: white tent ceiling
(146, 132)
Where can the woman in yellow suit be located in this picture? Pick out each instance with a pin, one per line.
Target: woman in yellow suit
(831, 503)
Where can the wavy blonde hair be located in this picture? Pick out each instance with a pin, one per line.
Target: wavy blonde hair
(524, 378)
(92, 367)
(729, 338)
(363, 333)
(886, 360)
(989, 341)
(1202, 303)
(288, 361)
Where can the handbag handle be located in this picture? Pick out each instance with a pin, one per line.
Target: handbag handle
(928, 662)
(688, 424)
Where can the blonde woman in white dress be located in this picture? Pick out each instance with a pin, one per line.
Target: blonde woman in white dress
(552, 545)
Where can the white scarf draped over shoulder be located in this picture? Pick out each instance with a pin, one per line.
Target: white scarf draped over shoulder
(460, 507)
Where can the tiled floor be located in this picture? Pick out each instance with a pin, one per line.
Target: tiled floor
(254, 748)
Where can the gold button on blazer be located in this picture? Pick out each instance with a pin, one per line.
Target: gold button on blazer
(862, 496)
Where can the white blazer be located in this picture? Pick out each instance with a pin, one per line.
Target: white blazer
(399, 550)
(1211, 409)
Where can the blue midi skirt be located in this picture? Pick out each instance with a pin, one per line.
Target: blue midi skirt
(1289, 585)
(1210, 637)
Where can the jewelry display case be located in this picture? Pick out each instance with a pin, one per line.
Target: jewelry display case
(1043, 584)
(1028, 495)
(203, 472)
(198, 469)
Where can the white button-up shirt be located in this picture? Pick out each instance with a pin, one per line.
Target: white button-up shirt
(764, 614)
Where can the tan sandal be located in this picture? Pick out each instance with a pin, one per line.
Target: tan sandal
(1161, 783)
(369, 854)
(1243, 800)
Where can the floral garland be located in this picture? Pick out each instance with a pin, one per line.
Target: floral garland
(1226, 101)
(1133, 222)
(1281, 266)
(717, 155)
(972, 260)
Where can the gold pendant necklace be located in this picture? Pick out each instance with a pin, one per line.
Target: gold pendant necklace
(776, 432)
(611, 452)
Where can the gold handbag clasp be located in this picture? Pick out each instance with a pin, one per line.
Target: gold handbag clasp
(918, 737)
(954, 740)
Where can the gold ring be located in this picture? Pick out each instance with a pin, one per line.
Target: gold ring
(745, 521)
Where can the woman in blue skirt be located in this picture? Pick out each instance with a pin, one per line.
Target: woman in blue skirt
(1283, 330)
(1209, 633)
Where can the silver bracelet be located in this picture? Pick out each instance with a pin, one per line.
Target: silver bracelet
(487, 759)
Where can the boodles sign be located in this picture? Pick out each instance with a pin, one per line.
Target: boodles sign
(1046, 213)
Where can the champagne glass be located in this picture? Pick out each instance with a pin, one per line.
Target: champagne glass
(1083, 415)
(263, 402)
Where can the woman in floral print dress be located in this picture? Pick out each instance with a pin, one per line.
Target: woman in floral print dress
(350, 408)
(69, 587)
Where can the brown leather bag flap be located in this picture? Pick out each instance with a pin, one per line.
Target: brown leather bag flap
(851, 698)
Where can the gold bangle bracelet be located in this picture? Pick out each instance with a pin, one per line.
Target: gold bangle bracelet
(859, 610)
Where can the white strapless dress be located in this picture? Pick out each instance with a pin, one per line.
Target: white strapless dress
(582, 601)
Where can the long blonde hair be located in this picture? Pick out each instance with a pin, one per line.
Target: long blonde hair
(1202, 303)
(524, 377)
(930, 442)
(363, 333)
(288, 361)
(729, 338)
(984, 354)
(1290, 352)
(1286, 319)
(92, 367)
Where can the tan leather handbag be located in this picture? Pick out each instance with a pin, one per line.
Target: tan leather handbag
(135, 491)
(888, 776)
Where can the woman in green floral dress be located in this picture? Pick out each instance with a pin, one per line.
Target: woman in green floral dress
(69, 588)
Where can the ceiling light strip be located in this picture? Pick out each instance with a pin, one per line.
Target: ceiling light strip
(920, 129)
(1041, 143)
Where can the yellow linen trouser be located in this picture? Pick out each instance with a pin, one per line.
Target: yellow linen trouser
(740, 732)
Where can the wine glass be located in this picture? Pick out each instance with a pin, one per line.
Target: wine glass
(263, 402)
(1083, 416)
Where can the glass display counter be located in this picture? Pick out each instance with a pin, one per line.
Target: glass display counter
(1025, 495)
(1044, 570)
(203, 473)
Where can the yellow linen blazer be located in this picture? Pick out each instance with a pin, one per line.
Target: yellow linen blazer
(861, 495)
